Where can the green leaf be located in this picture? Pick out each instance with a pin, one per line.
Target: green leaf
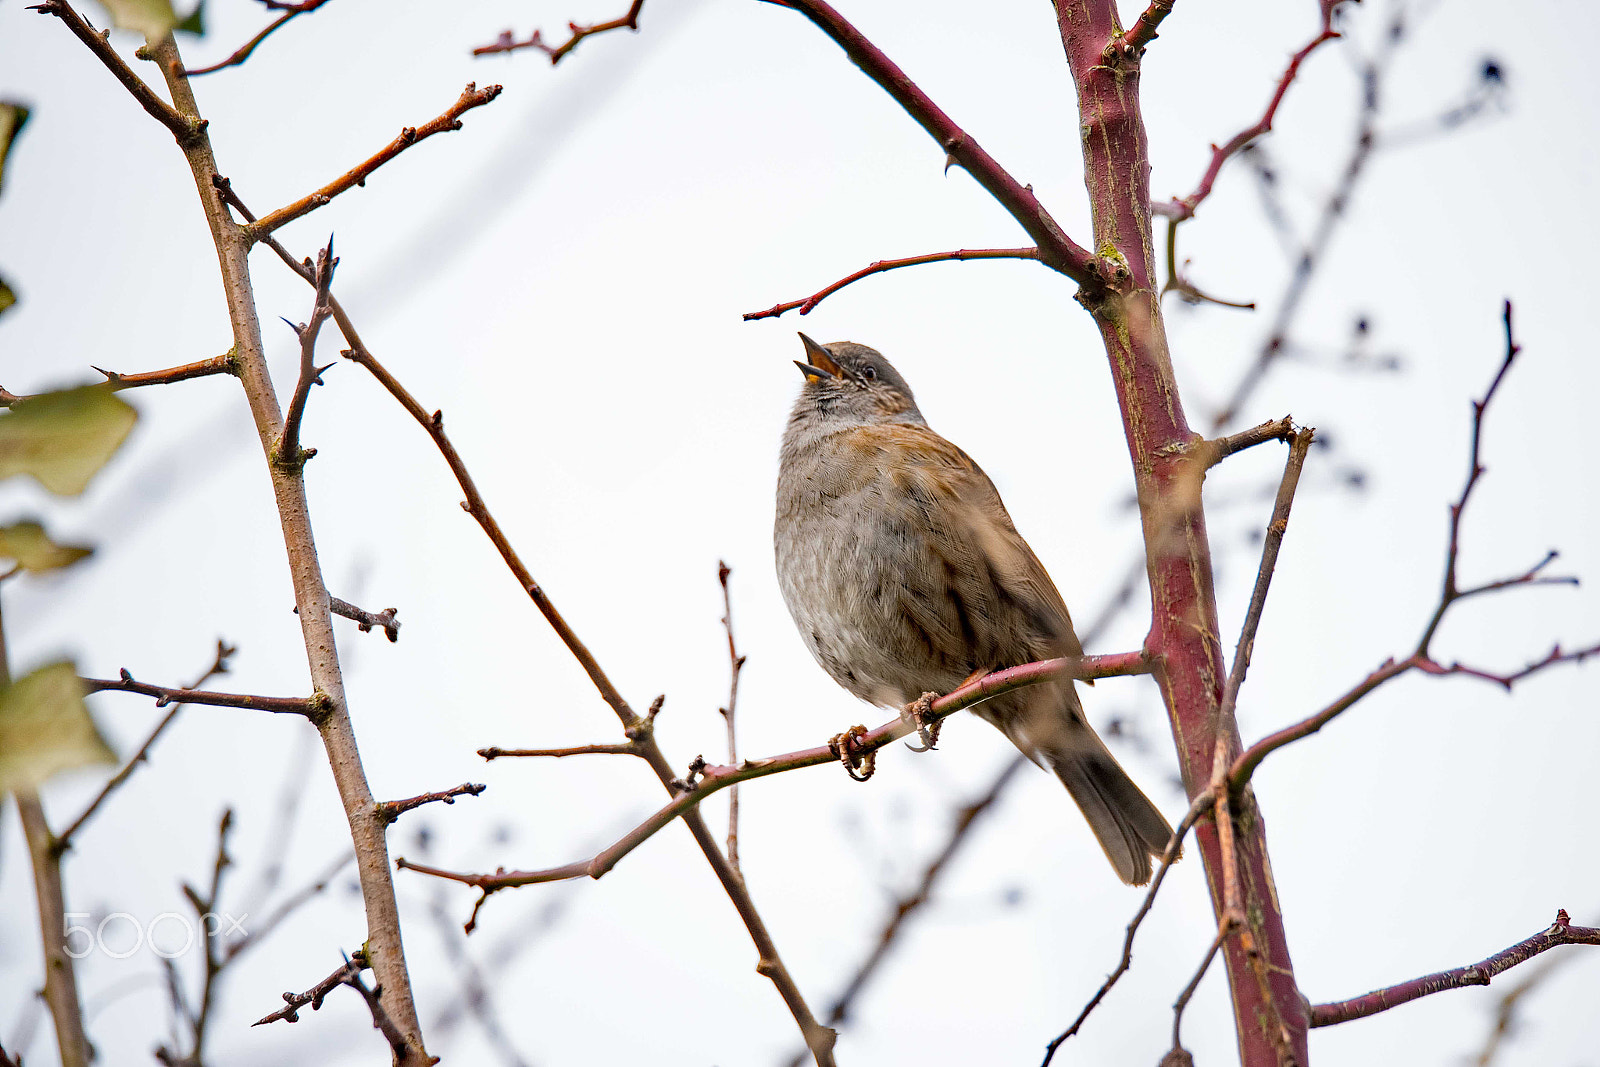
(31, 547)
(7, 296)
(63, 438)
(153, 18)
(195, 21)
(45, 728)
(13, 117)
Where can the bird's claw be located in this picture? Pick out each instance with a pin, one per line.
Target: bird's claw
(919, 713)
(858, 763)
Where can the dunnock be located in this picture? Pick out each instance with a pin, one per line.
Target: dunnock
(904, 574)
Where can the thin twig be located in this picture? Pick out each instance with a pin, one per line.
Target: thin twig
(625, 749)
(1202, 804)
(736, 664)
(289, 450)
(181, 126)
(1561, 932)
(808, 303)
(307, 706)
(366, 620)
(244, 51)
(1184, 208)
(508, 43)
(1184, 997)
(713, 779)
(219, 665)
(293, 1002)
(1214, 451)
(470, 98)
(390, 810)
(1056, 249)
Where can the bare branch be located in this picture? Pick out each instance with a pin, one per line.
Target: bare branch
(1561, 932)
(508, 43)
(736, 663)
(366, 620)
(713, 779)
(1202, 804)
(470, 98)
(390, 810)
(1184, 208)
(1143, 30)
(807, 304)
(627, 749)
(1056, 249)
(182, 127)
(244, 51)
(1218, 449)
(219, 665)
(289, 450)
(307, 706)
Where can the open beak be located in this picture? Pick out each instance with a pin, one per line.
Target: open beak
(819, 364)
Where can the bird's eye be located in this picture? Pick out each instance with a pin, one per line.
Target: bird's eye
(869, 372)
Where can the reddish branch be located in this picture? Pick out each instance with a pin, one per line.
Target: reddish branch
(390, 810)
(506, 42)
(1561, 932)
(307, 706)
(1180, 209)
(1451, 593)
(807, 304)
(243, 52)
(470, 98)
(223, 364)
(1143, 30)
(1056, 249)
(704, 780)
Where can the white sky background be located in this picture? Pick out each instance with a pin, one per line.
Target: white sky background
(565, 278)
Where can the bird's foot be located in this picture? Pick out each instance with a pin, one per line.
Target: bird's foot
(919, 714)
(859, 763)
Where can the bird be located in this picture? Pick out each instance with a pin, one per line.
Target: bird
(905, 575)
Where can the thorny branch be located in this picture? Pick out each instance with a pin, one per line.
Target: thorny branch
(174, 120)
(470, 98)
(808, 304)
(1561, 932)
(243, 52)
(116, 382)
(506, 42)
(289, 450)
(639, 730)
(350, 975)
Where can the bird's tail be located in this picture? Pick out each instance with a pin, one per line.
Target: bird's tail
(1128, 826)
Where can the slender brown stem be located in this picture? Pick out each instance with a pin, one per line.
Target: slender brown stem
(1561, 932)
(219, 665)
(307, 706)
(508, 43)
(1184, 997)
(390, 810)
(289, 450)
(244, 51)
(383, 942)
(625, 749)
(808, 303)
(184, 127)
(470, 98)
